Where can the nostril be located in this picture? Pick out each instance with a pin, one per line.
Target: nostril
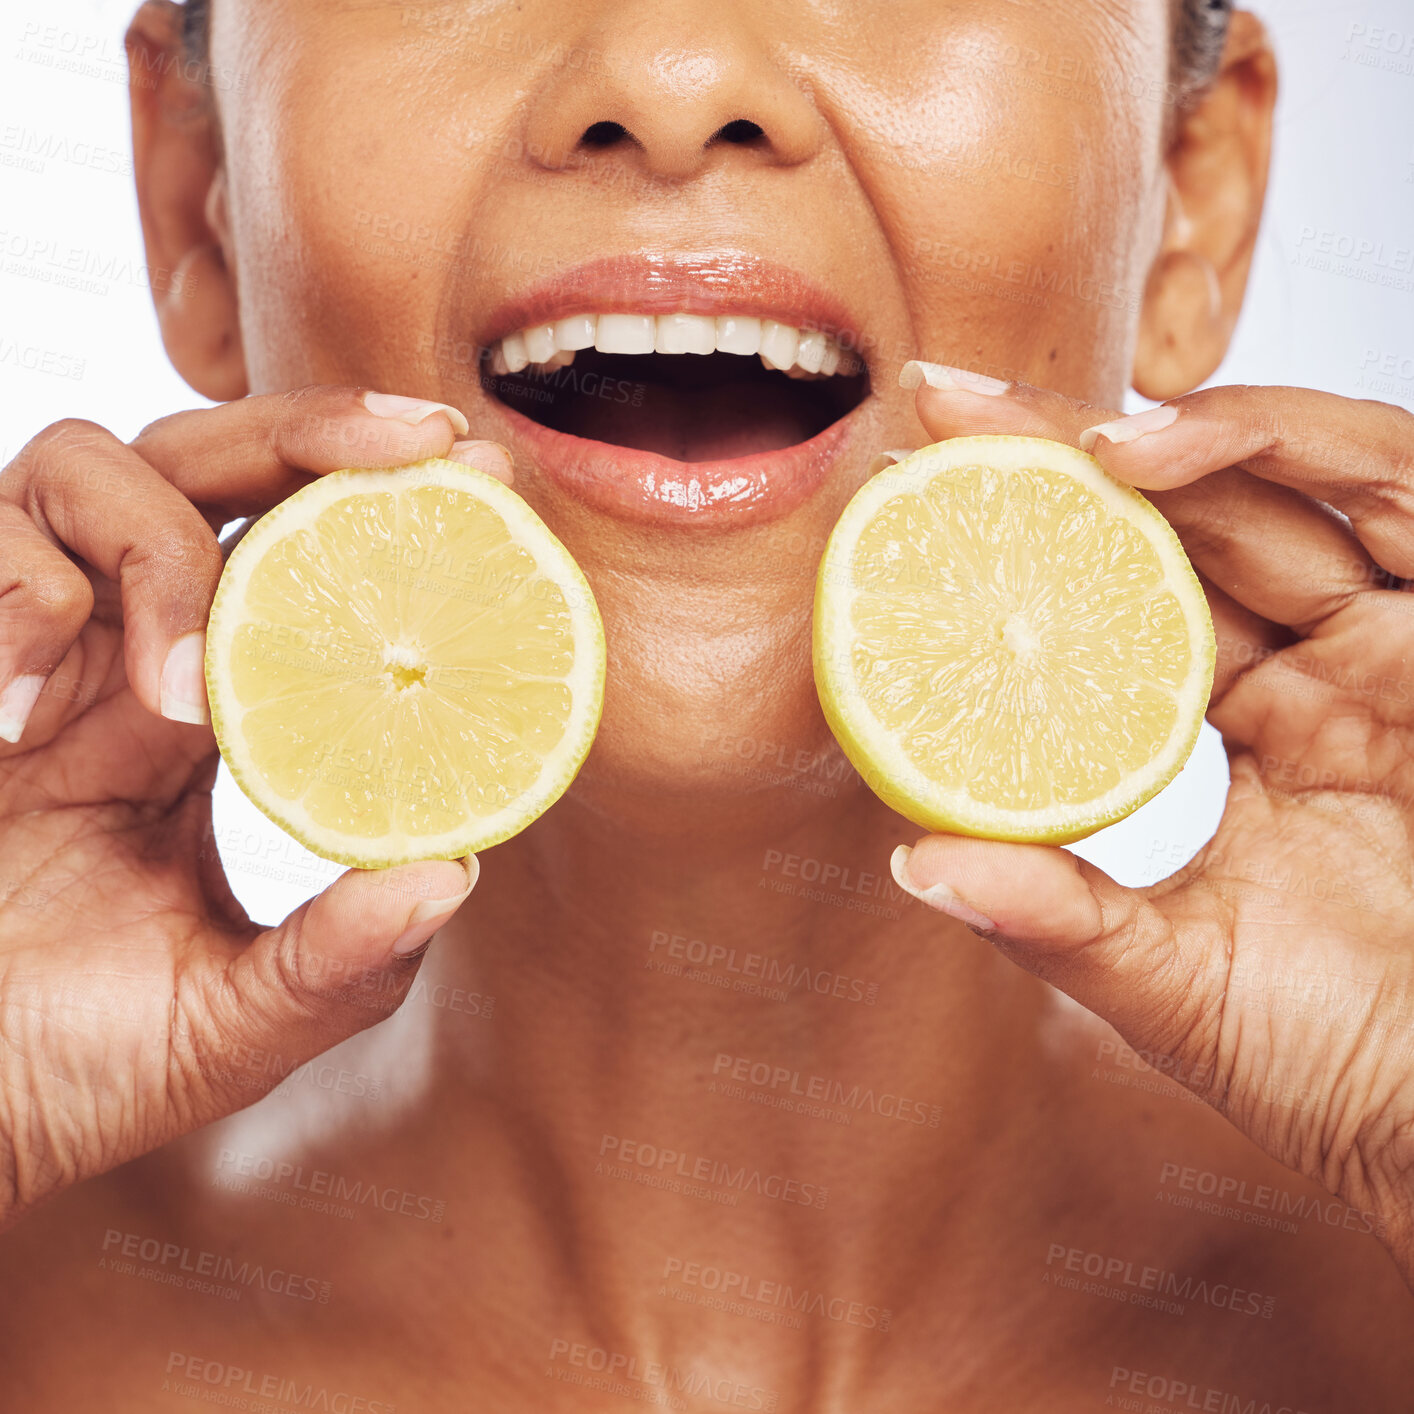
(603, 134)
(739, 130)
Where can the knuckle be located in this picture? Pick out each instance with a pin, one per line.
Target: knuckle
(295, 401)
(69, 432)
(295, 973)
(319, 401)
(1384, 504)
(183, 542)
(62, 593)
(1396, 476)
(49, 449)
(64, 459)
(312, 418)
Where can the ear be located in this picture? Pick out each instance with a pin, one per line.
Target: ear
(1217, 175)
(181, 192)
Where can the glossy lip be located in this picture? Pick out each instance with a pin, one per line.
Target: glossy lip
(644, 486)
(728, 282)
(657, 490)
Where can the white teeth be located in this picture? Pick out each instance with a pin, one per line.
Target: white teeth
(800, 353)
(513, 348)
(539, 342)
(779, 343)
(685, 334)
(576, 332)
(625, 333)
(811, 351)
(738, 334)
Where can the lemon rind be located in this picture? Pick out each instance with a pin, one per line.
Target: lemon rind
(870, 746)
(585, 680)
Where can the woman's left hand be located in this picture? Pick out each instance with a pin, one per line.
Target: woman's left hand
(1274, 974)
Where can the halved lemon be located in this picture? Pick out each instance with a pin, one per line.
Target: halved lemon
(403, 664)
(1009, 642)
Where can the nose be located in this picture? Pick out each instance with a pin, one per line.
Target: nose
(672, 88)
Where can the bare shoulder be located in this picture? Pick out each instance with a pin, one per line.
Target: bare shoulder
(153, 1285)
(80, 1311)
(1215, 1268)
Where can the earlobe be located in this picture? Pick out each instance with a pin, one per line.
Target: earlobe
(1217, 178)
(1183, 331)
(200, 322)
(181, 189)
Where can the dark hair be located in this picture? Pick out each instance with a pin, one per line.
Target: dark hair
(1200, 28)
(195, 19)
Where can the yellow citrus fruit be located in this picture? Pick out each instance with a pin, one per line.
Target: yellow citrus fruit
(403, 664)
(1009, 642)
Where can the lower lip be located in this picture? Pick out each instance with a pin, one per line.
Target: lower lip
(655, 490)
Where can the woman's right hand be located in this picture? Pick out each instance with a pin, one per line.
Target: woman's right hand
(137, 999)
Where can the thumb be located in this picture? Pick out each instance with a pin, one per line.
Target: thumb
(336, 965)
(1144, 970)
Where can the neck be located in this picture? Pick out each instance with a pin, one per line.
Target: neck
(676, 1010)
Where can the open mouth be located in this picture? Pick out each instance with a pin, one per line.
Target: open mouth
(692, 387)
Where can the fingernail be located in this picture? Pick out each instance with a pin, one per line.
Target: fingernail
(1131, 428)
(937, 896)
(183, 693)
(887, 459)
(490, 457)
(16, 703)
(949, 380)
(413, 410)
(430, 914)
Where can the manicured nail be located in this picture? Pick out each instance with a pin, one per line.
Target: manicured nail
(490, 457)
(16, 703)
(887, 459)
(413, 410)
(430, 914)
(184, 681)
(1131, 428)
(937, 896)
(949, 380)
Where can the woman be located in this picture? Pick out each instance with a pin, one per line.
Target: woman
(689, 1105)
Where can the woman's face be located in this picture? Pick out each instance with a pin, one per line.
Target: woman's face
(967, 181)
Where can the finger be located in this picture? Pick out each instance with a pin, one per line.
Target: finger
(1153, 976)
(1356, 455)
(1244, 639)
(955, 402)
(242, 457)
(1270, 547)
(1284, 556)
(336, 965)
(45, 599)
(490, 457)
(97, 498)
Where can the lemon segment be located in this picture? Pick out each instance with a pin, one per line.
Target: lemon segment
(1009, 642)
(403, 664)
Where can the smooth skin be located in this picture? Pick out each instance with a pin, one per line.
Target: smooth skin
(1043, 1189)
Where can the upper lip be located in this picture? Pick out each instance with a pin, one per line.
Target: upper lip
(724, 282)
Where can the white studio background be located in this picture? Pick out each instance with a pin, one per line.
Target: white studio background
(1331, 304)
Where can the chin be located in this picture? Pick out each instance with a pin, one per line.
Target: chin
(708, 734)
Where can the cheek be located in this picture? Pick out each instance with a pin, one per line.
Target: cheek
(350, 191)
(1017, 173)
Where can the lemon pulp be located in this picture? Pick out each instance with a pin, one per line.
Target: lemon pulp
(403, 664)
(1009, 642)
